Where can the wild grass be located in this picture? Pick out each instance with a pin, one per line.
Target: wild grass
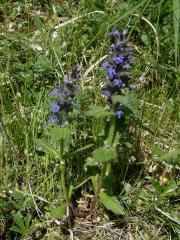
(39, 43)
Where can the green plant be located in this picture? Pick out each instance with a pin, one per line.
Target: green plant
(115, 149)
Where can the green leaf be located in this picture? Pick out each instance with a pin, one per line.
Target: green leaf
(59, 133)
(164, 8)
(58, 211)
(94, 180)
(22, 225)
(90, 162)
(127, 101)
(84, 148)
(104, 154)
(176, 17)
(169, 190)
(156, 150)
(145, 39)
(70, 188)
(171, 157)
(120, 99)
(111, 203)
(47, 147)
(18, 230)
(127, 187)
(98, 111)
(157, 66)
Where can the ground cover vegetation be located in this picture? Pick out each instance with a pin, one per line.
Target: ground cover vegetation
(89, 140)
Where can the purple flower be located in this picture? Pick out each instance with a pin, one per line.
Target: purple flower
(55, 107)
(54, 92)
(105, 65)
(117, 65)
(111, 72)
(118, 59)
(117, 33)
(131, 58)
(117, 82)
(111, 34)
(119, 113)
(52, 119)
(106, 92)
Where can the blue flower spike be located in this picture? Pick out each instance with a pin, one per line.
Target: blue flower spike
(65, 93)
(120, 60)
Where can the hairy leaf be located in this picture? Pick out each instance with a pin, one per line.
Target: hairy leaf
(46, 146)
(58, 211)
(171, 157)
(98, 111)
(111, 203)
(59, 133)
(104, 154)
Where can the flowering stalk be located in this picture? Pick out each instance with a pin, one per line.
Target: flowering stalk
(117, 67)
(65, 102)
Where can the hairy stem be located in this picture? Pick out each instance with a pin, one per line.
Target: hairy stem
(101, 178)
(63, 184)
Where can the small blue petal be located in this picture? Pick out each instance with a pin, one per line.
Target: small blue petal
(131, 58)
(111, 72)
(105, 65)
(117, 82)
(54, 92)
(118, 59)
(52, 119)
(111, 34)
(119, 114)
(117, 33)
(106, 93)
(55, 107)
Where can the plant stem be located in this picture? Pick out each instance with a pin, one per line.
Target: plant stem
(64, 189)
(104, 168)
(101, 178)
